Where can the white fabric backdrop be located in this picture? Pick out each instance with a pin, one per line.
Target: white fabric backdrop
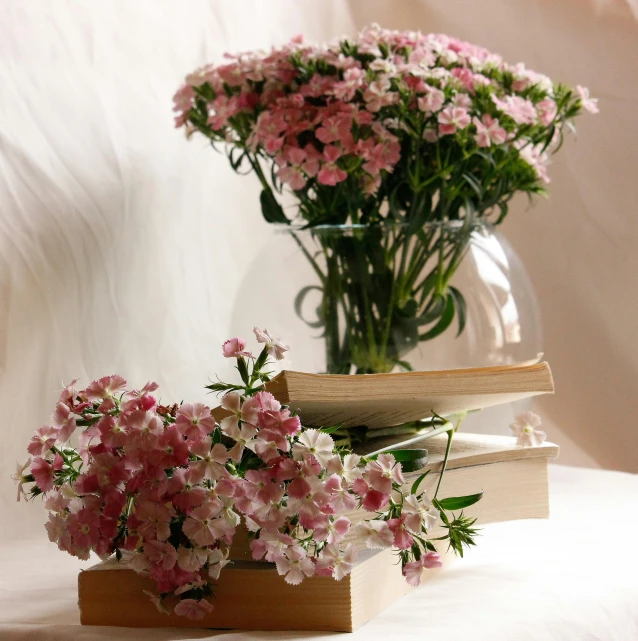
(122, 246)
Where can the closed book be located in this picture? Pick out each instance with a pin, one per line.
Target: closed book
(382, 400)
(250, 596)
(513, 479)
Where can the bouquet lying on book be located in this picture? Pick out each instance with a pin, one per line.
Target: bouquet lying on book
(166, 486)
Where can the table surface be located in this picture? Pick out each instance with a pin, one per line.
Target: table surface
(572, 577)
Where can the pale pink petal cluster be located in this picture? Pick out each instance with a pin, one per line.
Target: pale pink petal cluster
(526, 429)
(167, 486)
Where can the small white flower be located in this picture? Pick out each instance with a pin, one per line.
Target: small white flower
(275, 346)
(20, 478)
(314, 442)
(525, 428)
(375, 535)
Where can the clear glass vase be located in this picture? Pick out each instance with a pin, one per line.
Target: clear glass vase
(357, 299)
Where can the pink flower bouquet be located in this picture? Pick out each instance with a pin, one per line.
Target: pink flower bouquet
(166, 487)
(413, 141)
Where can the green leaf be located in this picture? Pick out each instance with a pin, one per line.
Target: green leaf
(331, 430)
(243, 369)
(415, 485)
(460, 502)
(444, 322)
(461, 308)
(271, 209)
(474, 184)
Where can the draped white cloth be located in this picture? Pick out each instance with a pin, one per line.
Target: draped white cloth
(563, 579)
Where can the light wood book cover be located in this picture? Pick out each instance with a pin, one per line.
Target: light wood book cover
(251, 596)
(383, 400)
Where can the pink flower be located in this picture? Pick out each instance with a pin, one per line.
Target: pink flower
(431, 560)
(274, 346)
(64, 420)
(546, 110)
(84, 528)
(375, 534)
(330, 174)
(521, 110)
(315, 443)
(525, 428)
(194, 421)
(145, 429)
(154, 520)
(453, 118)
(412, 572)
(43, 440)
(294, 565)
(106, 387)
(203, 526)
(43, 473)
(293, 176)
(379, 95)
(588, 103)
(192, 609)
(191, 559)
(339, 561)
(235, 347)
(212, 459)
(374, 500)
(162, 554)
(383, 472)
(419, 514)
(432, 101)
(488, 131)
(332, 531)
(402, 538)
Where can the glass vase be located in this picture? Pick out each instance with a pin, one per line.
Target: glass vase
(360, 299)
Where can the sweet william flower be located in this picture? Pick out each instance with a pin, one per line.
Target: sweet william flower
(275, 347)
(525, 428)
(402, 538)
(453, 118)
(316, 443)
(383, 472)
(419, 513)
(194, 421)
(235, 347)
(191, 559)
(339, 561)
(43, 473)
(106, 387)
(589, 104)
(294, 565)
(44, 439)
(488, 131)
(192, 609)
(412, 572)
(375, 534)
(160, 553)
(21, 478)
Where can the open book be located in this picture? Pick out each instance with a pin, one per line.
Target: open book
(383, 400)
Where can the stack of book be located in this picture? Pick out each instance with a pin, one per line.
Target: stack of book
(513, 479)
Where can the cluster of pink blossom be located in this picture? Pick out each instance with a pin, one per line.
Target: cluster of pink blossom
(325, 113)
(167, 486)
